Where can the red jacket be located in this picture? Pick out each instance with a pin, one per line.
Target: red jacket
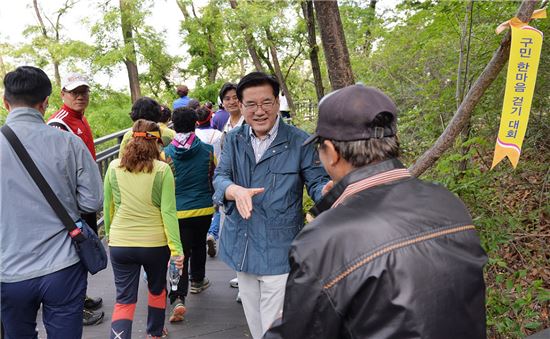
(67, 119)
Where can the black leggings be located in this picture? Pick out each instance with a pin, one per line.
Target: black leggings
(193, 239)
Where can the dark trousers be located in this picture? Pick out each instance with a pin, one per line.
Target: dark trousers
(61, 295)
(193, 239)
(127, 263)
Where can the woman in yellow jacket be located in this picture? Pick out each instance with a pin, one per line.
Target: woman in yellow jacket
(142, 228)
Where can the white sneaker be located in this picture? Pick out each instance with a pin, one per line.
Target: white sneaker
(238, 299)
(234, 283)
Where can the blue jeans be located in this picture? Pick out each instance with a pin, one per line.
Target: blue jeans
(215, 225)
(62, 297)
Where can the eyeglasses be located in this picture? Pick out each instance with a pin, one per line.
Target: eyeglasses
(253, 107)
(75, 94)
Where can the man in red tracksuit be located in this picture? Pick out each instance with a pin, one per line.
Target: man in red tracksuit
(75, 93)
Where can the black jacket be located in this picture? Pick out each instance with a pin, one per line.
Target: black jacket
(396, 258)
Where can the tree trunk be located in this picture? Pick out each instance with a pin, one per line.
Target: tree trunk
(2, 68)
(45, 35)
(278, 71)
(266, 60)
(130, 58)
(56, 73)
(463, 68)
(249, 40)
(183, 9)
(462, 115)
(334, 44)
(212, 70)
(307, 8)
(372, 14)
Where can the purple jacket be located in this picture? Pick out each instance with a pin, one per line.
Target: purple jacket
(220, 119)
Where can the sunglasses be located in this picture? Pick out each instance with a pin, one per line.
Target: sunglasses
(152, 135)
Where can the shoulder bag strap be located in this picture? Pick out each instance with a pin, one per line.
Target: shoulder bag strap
(41, 182)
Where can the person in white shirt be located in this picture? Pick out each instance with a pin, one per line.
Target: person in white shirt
(230, 102)
(283, 108)
(206, 132)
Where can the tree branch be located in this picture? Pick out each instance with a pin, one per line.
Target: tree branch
(462, 115)
(39, 16)
(293, 62)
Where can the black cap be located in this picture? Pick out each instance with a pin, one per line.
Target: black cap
(347, 114)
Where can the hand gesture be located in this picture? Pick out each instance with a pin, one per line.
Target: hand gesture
(243, 198)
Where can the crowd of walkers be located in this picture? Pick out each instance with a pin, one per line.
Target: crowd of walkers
(386, 255)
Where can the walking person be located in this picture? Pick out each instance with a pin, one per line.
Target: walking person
(210, 136)
(40, 266)
(165, 117)
(75, 93)
(194, 165)
(388, 255)
(260, 180)
(183, 99)
(148, 109)
(284, 109)
(230, 103)
(220, 117)
(141, 227)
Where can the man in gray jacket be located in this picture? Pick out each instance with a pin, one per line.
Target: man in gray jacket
(39, 265)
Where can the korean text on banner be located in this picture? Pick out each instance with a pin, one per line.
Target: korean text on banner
(520, 85)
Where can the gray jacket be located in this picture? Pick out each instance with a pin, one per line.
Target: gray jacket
(33, 240)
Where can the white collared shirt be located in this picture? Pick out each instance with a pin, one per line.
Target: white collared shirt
(228, 127)
(260, 145)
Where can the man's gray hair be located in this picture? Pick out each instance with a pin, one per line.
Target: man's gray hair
(360, 153)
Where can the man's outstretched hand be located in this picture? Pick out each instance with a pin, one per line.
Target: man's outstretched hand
(243, 198)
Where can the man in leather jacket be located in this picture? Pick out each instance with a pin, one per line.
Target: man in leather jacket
(388, 255)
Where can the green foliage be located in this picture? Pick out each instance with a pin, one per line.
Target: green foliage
(108, 112)
(411, 52)
(155, 63)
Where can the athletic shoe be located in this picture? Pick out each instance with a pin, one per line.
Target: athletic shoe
(234, 283)
(198, 287)
(178, 312)
(92, 304)
(211, 244)
(92, 318)
(164, 334)
(238, 299)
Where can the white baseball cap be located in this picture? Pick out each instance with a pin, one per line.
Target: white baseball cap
(74, 80)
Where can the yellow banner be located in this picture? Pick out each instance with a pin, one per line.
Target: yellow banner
(520, 85)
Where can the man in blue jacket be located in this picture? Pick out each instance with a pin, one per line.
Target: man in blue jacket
(260, 180)
(183, 99)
